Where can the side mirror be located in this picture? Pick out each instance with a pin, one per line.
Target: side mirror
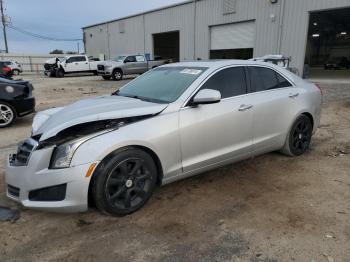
(206, 96)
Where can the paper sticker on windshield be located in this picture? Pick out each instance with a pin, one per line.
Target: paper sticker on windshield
(191, 71)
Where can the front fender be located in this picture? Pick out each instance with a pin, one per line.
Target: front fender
(159, 134)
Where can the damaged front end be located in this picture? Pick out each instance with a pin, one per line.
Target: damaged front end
(67, 141)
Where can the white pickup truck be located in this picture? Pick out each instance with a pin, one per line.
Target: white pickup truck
(127, 65)
(70, 64)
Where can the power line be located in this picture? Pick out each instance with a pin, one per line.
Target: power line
(42, 36)
(4, 25)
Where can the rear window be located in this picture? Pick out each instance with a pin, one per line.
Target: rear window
(263, 79)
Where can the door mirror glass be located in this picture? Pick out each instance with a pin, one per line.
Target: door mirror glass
(206, 96)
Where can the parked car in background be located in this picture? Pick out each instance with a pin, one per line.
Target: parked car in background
(51, 65)
(173, 122)
(16, 100)
(127, 65)
(61, 66)
(5, 70)
(15, 67)
(337, 64)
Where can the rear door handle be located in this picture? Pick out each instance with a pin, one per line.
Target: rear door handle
(293, 95)
(245, 107)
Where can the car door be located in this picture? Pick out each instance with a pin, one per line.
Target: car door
(214, 134)
(274, 101)
(82, 63)
(71, 65)
(130, 65)
(141, 64)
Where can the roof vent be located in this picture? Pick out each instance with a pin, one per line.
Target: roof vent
(121, 27)
(228, 6)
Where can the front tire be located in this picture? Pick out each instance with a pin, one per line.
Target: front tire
(125, 182)
(7, 115)
(299, 137)
(15, 72)
(59, 73)
(117, 75)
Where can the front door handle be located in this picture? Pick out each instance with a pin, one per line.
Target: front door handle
(293, 95)
(245, 107)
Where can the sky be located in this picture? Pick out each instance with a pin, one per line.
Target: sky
(64, 19)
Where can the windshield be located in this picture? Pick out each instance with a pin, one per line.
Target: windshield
(162, 85)
(119, 58)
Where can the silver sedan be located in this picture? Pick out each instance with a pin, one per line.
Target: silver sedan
(173, 122)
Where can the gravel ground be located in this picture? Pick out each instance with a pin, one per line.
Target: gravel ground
(271, 208)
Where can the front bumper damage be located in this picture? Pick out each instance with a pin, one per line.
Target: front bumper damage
(36, 186)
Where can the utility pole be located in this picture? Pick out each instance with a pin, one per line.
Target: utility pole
(3, 19)
(78, 49)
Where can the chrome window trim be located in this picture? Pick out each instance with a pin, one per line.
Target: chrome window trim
(184, 105)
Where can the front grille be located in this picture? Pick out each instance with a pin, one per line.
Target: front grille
(100, 67)
(13, 191)
(54, 193)
(48, 66)
(24, 151)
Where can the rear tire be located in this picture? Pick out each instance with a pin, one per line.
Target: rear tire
(7, 114)
(117, 75)
(299, 137)
(124, 183)
(106, 77)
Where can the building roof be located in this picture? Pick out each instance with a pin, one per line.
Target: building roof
(142, 13)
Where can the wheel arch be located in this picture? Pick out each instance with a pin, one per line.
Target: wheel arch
(148, 150)
(10, 104)
(118, 69)
(310, 116)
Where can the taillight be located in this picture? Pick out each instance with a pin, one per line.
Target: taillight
(6, 69)
(319, 88)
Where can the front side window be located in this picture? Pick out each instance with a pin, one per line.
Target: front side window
(130, 59)
(162, 85)
(80, 59)
(263, 79)
(229, 82)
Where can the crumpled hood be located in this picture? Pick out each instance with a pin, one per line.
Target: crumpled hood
(50, 122)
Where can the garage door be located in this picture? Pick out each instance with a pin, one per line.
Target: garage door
(233, 36)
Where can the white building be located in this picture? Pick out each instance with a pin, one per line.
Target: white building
(307, 30)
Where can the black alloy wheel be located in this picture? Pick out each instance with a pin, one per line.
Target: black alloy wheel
(117, 75)
(125, 183)
(300, 136)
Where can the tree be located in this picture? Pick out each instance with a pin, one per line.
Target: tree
(57, 51)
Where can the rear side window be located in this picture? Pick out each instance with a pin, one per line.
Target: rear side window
(282, 81)
(229, 82)
(263, 79)
(140, 58)
(80, 59)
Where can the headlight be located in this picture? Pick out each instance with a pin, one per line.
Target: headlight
(63, 154)
(9, 89)
(108, 66)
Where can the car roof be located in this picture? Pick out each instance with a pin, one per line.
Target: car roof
(214, 65)
(219, 63)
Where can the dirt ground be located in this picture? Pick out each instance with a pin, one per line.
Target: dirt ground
(271, 208)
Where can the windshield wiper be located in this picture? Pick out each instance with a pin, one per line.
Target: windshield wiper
(146, 99)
